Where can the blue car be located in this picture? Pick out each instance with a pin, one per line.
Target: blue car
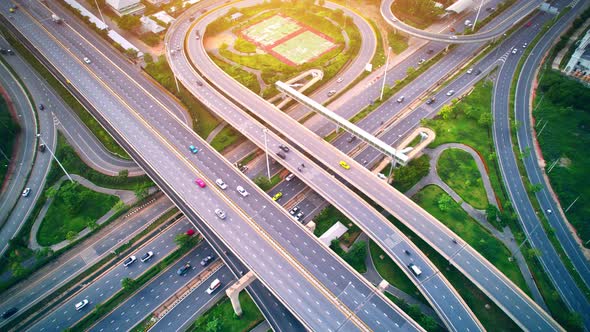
(193, 149)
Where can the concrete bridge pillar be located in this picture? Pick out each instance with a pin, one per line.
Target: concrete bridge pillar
(233, 292)
(382, 286)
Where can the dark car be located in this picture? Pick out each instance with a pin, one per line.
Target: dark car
(9, 312)
(205, 261)
(477, 72)
(41, 107)
(42, 147)
(183, 269)
(284, 148)
(430, 51)
(282, 155)
(430, 101)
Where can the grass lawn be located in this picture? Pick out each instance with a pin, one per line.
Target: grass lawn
(565, 136)
(8, 132)
(458, 169)
(393, 273)
(244, 46)
(463, 125)
(73, 164)
(328, 217)
(471, 231)
(397, 42)
(72, 209)
(226, 137)
(223, 313)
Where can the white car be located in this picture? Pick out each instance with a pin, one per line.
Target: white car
(453, 37)
(339, 80)
(129, 261)
(221, 184)
(514, 50)
(26, 192)
(87, 60)
(450, 92)
(81, 304)
(147, 256)
(470, 70)
(242, 191)
(220, 213)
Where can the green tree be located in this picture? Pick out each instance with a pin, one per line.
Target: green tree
(214, 325)
(92, 225)
(446, 111)
(148, 58)
(262, 182)
(128, 283)
(120, 205)
(531, 253)
(123, 174)
(410, 71)
(492, 213)
(17, 270)
(356, 254)
(485, 119)
(43, 252)
(444, 202)
(141, 191)
(574, 322)
(535, 188)
(129, 22)
(182, 240)
(71, 236)
(51, 192)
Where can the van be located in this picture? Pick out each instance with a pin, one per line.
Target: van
(214, 285)
(416, 270)
(289, 177)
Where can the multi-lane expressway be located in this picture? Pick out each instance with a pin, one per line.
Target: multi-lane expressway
(435, 288)
(574, 298)
(313, 283)
(492, 282)
(488, 34)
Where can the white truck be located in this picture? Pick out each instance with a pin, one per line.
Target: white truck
(214, 285)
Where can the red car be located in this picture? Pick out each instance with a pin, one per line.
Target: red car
(201, 183)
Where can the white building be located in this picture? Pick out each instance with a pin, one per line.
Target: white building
(580, 60)
(164, 17)
(150, 25)
(158, 2)
(335, 232)
(126, 7)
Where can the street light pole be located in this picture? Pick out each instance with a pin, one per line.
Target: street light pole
(525, 239)
(54, 157)
(477, 15)
(385, 73)
(265, 131)
(100, 12)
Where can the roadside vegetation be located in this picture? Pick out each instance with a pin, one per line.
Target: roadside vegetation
(222, 317)
(9, 131)
(226, 138)
(203, 120)
(405, 177)
(562, 111)
(74, 207)
(418, 13)
(458, 169)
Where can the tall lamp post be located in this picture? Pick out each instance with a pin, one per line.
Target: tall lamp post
(54, 157)
(385, 73)
(265, 131)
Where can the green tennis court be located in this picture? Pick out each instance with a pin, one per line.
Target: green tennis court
(271, 30)
(303, 47)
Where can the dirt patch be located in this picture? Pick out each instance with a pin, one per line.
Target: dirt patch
(215, 42)
(564, 162)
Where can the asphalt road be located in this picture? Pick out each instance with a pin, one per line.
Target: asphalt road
(523, 10)
(109, 283)
(130, 126)
(535, 174)
(194, 304)
(36, 181)
(507, 295)
(550, 260)
(454, 312)
(25, 151)
(156, 292)
(51, 277)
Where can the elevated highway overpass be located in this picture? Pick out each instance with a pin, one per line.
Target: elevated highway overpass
(492, 282)
(307, 278)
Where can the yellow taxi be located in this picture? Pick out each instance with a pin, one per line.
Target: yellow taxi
(344, 164)
(277, 196)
